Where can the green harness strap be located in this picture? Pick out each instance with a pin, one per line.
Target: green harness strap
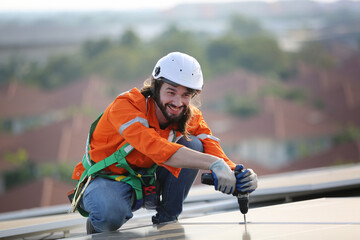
(93, 169)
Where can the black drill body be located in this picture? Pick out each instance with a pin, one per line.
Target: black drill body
(243, 198)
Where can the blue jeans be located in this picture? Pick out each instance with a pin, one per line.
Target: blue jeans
(109, 202)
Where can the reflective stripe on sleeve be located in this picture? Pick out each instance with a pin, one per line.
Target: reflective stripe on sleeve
(143, 121)
(124, 93)
(203, 136)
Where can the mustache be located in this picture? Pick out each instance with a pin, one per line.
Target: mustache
(172, 105)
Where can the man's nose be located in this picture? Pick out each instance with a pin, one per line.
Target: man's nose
(177, 101)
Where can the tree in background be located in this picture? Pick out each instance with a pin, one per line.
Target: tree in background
(242, 106)
(316, 55)
(244, 45)
(91, 48)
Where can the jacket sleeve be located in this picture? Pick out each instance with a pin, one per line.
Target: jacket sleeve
(127, 114)
(199, 128)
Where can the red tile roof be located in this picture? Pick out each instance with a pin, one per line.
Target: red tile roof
(239, 82)
(336, 88)
(342, 154)
(60, 141)
(280, 120)
(18, 101)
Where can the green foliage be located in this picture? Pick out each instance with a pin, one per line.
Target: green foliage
(28, 171)
(242, 106)
(130, 39)
(92, 49)
(15, 69)
(8, 71)
(318, 104)
(222, 54)
(24, 173)
(58, 71)
(245, 27)
(276, 88)
(59, 171)
(5, 125)
(16, 158)
(244, 45)
(349, 134)
(315, 54)
(173, 40)
(259, 53)
(120, 63)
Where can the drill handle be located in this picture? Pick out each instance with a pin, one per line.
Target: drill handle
(207, 178)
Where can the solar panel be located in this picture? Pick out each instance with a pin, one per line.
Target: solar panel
(209, 214)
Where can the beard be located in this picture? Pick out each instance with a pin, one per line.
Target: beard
(171, 117)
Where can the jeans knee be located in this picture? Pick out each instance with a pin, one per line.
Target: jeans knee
(194, 143)
(115, 217)
(109, 204)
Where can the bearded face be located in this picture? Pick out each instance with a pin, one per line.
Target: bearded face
(173, 103)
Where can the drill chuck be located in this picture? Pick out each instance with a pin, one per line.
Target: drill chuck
(243, 198)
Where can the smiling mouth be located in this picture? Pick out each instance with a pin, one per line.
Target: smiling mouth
(175, 110)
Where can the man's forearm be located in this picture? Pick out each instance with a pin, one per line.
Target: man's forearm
(188, 158)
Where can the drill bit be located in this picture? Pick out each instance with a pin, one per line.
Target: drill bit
(246, 234)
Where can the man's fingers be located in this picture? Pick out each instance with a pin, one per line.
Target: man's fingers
(243, 174)
(246, 181)
(247, 184)
(247, 189)
(248, 178)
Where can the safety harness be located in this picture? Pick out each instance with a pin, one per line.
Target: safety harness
(134, 179)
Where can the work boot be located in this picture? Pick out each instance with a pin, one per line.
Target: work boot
(159, 219)
(90, 228)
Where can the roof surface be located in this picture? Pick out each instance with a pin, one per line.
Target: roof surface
(314, 219)
(212, 215)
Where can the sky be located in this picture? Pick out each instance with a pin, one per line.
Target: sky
(89, 5)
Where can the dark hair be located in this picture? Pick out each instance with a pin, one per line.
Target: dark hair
(151, 88)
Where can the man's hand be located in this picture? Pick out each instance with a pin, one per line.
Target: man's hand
(246, 181)
(224, 177)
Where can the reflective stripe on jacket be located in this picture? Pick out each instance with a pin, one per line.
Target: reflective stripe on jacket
(131, 118)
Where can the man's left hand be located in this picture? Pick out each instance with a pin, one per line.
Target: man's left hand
(246, 181)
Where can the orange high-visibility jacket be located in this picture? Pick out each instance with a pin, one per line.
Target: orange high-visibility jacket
(131, 118)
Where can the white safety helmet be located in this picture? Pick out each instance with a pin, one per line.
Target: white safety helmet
(179, 68)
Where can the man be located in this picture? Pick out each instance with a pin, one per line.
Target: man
(153, 132)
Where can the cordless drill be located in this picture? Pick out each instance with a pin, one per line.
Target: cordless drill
(243, 198)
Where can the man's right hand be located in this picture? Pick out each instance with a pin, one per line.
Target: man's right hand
(246, 181)
(224, 178)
